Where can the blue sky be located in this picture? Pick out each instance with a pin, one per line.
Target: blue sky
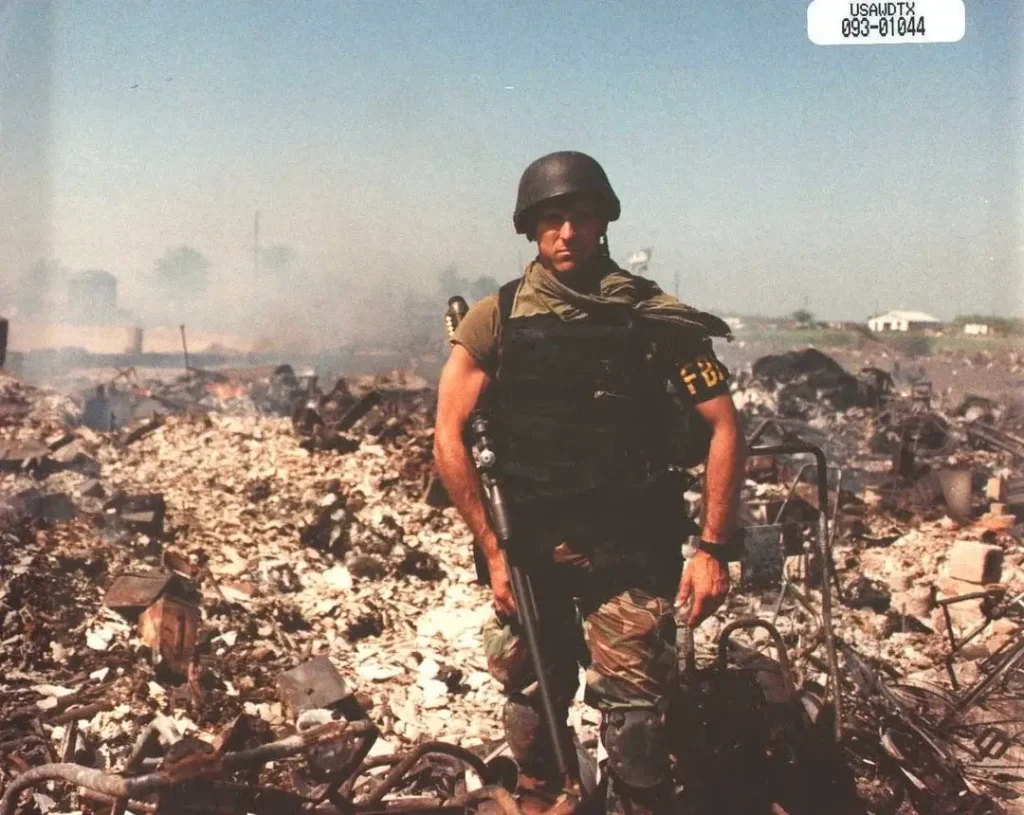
(383, 141)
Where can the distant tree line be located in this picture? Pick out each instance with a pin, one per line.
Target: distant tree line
(450, 283)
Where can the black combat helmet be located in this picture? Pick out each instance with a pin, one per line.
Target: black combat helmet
(558, 174)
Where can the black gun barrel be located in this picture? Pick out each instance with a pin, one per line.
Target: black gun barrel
(522, 593)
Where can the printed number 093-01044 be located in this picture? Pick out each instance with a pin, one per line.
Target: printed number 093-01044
(883, 26)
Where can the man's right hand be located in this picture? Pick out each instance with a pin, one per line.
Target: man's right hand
(501, 585)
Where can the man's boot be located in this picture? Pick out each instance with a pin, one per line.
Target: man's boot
(539, 784)
(640, 782)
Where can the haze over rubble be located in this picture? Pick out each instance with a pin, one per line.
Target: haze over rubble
(768, 173)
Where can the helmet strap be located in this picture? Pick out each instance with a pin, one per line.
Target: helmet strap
(602, 248)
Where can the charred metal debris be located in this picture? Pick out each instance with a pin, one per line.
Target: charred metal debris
(238, 592)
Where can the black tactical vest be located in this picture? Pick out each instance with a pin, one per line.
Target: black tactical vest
(574, 407)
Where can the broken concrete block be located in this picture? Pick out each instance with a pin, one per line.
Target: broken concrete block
(169, 627)
(72, 456)
(975, 562)
(317, 685)
(965, 615)
(995, 490)
(52, 507)
(148, 522)
(56, 507)
(17, 456)
(92, 489)
(133, 592)
(140, 513)
(1005, 490)
(951, 587)
(1002, 632)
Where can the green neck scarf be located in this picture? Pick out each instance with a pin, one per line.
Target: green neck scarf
(619, 291)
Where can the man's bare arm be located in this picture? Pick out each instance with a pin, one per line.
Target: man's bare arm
(462, 383)
(724, 470)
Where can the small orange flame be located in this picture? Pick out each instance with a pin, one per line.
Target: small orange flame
(226, 390)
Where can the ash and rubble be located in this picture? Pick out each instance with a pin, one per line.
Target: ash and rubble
(172, 549)
(295, 545)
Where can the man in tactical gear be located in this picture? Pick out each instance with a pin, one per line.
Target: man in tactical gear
(583, 369)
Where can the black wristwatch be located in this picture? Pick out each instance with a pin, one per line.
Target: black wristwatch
(716, 550)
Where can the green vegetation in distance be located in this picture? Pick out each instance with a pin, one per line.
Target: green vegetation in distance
(1007, 326)
(855, 337)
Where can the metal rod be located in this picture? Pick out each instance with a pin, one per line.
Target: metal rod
(825, 551)
(773, 632)
(792, 490)
(184, 345)
(399, 771)
(1015, 656)
(118, 786)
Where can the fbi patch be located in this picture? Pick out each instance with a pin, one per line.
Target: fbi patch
(704, 378)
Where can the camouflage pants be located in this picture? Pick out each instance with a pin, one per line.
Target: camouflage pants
(626, 644)
(627, 647)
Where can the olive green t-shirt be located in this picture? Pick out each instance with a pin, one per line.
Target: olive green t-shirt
(480, 330)
(700, 373)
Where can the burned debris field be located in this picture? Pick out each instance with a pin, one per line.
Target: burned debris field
(240, 591)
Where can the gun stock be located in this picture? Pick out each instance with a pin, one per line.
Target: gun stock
(484, 459)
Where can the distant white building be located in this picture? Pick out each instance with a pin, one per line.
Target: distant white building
(977, 329)
(903, 321)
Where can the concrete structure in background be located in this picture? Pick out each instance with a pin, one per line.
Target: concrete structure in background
(28, 336)
(47, 290)
(904, 321)
(978, 329)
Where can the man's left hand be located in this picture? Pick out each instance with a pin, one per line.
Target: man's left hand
(706, 580)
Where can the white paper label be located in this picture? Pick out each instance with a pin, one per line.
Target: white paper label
(841, 22)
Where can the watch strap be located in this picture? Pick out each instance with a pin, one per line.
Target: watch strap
(719, 551)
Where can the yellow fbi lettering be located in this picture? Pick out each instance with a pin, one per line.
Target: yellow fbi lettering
(703, 367)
